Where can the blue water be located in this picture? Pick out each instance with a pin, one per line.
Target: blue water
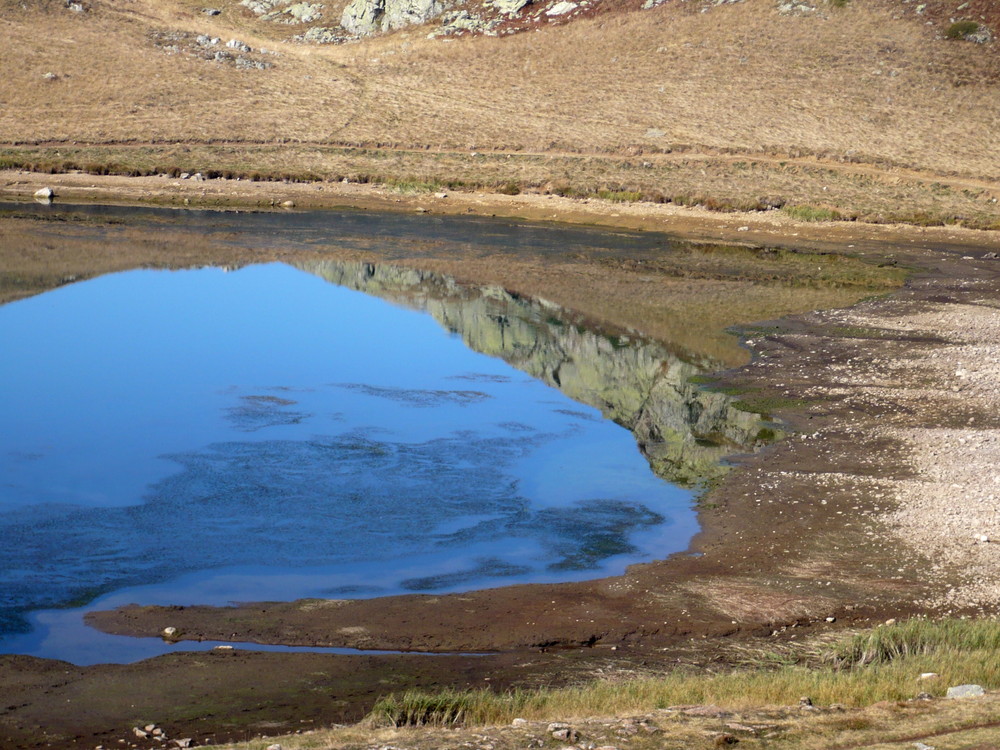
(184, 437)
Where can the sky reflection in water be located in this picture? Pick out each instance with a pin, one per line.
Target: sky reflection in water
(208, 437)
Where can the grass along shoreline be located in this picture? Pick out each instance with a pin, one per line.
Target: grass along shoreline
(865, 688)
(801, 189)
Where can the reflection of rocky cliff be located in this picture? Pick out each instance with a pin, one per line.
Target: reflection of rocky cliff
(683, 430)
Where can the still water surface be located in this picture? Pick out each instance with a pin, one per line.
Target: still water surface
(205, 436)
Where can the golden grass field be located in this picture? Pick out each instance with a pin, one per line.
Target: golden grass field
(866, 109)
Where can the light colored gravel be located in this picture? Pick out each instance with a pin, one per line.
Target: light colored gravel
(949, 511)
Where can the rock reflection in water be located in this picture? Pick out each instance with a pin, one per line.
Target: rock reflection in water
(684, 431)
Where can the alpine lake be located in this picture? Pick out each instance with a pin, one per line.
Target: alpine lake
(219, 407)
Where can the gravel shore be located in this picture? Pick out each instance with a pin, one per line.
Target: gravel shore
(946, 411)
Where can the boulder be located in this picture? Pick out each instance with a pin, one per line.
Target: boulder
(362, 17)
(561, 8)
(965, 691)
(400, 13)
(365, 17)
(510, 7)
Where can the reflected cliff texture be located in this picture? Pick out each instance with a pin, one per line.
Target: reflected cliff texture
(684, 431)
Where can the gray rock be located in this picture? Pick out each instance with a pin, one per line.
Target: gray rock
(981, 35)
(324, 35)
(400, 13)
(260, 7)
(459, 21)
(211, 11)
(561, 8)
(362, 17)
(295, 13)
(237, 44)
(247, 63)
(365, 17)
(965, 691)
(510, 7)
(184, 742)
(44, 193)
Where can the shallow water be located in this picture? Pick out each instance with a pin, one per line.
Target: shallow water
(207, 437)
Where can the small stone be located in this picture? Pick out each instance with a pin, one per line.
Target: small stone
(928, 675)
(157, 732)
(924, 697)
(891, 621)
(805, 700)
(184, 742)
(44, 193)
(965, 691)
(150, 728)
(50, 76)
(567, 734)
(519, 722)
(922, 746)
(275, 746)
(170, 631)
(288, 204)
(139, 733)
(831, 619)
(440, 195)
(556, 726)
(185, 175)
(211, 11)
(743, 229)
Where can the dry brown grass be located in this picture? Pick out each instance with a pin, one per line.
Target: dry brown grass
(858, 85)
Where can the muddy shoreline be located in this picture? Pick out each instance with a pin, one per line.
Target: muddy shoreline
(798, 534)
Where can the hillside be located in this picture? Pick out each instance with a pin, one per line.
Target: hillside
(831, 109)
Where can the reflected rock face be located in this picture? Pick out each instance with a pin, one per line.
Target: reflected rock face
(684, 431)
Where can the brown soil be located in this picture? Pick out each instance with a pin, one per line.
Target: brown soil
(794, 536)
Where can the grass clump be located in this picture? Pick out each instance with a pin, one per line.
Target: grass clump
(961, 29)
(620, 196)
(813, 213)
(918, 637)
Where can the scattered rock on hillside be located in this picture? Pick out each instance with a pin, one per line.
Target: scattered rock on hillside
(284, 11)
(325, 35)
(795, 8)
(462, 21)
(982, 35)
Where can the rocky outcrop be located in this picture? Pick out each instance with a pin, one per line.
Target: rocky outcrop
(683, 430)
(364, 17)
